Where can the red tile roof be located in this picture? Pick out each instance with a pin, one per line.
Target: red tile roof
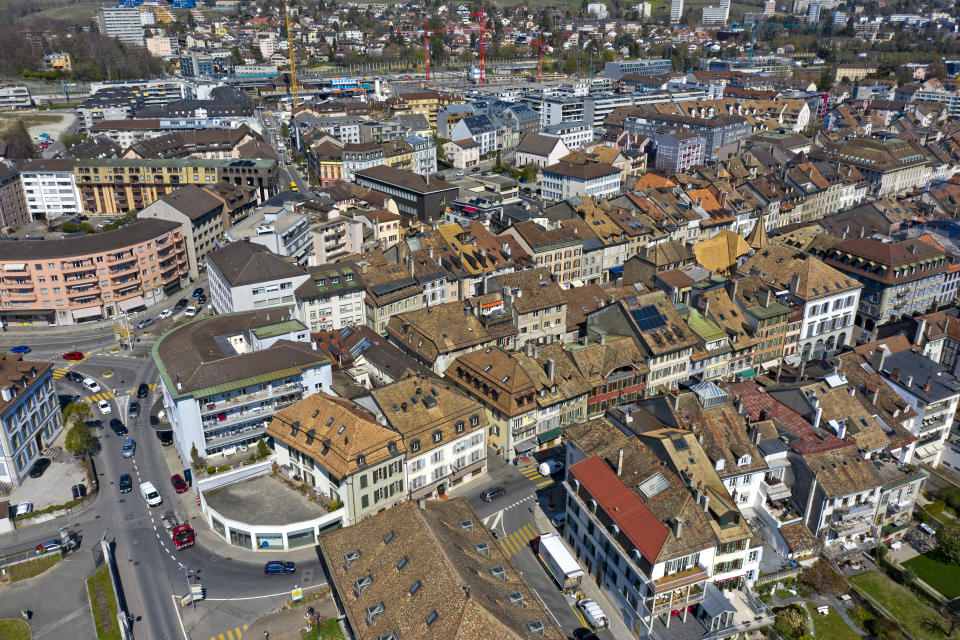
(635, 520)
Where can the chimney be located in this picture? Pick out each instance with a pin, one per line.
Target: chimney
(603, 339)
(755, 435)
(179, 386)
(875, 394)
(878, 358)
(909, 381)
(7, 394)
(731, 286)
(431, 253)
(926, 385)
(816, 417)
(422, 504)
(619, 461)
(410, 265)
(528, 349)
(765, 297)
(895, 375)
(677, 527)
(705, 303)
(675, 397)
(921, 328)
(738, 404)
(550, 369)
(705, 502)
(853, 392)
(794, 283)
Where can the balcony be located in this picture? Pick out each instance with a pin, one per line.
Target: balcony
(82, 277)
(851, 527)
(234, 437)
(247, 398)
(776, 489)
(853, 511)
(256, 413)
(127, 266)
(83, 291)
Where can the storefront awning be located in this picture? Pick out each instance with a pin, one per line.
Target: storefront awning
(131, 303)
(86, 312)
(15, 266)
(547, 436)
(526, 445)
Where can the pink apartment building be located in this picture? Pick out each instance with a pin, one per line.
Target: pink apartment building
(86, 278)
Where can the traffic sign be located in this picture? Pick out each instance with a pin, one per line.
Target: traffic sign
(296, 594)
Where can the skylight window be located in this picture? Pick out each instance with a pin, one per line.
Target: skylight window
(432, 618)
(389, 538)
(468, 525)
(498, 572)
(416, 587)
(653, 485)
(516, 598)
(402, 563)
(482, 548)
(350, 558)
(679, 444)
(536, 627)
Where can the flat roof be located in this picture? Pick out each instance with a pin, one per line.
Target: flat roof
(263, 501)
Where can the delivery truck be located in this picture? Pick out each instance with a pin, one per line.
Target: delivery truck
(559, 562)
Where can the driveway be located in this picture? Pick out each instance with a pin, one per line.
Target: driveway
(53, 487)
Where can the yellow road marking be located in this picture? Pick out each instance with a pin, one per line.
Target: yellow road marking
(576, 612)
(230, 635)
(545, 483)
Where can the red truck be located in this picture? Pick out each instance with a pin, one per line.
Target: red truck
(180, 532)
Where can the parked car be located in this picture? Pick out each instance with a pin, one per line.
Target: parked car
(150, 494)
(593, 614)
(73, 355)
(166, 438)
(202, 300)
(166, 313)
(550, 467)
(21, 349)
(181, 304)
(559, 519)
(489, 494)
(91, 385)
(118, 427)
(104, 407)
(129, 448)
(146, 322)
(279, 567)
(178, 484)
(24, 508)
(143, 391)
(197, 292)
(78, 491)
(39, 467)
(126, 484)
(134, 409)
(73, 376)
(190, 311)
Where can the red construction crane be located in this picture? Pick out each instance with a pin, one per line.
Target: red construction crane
(540, 58)
(458, 30)
(482, 45)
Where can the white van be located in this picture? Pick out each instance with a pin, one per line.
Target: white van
(550, 467)
(150, 494)
(593, 613)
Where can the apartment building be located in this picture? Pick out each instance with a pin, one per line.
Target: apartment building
(29, 412)
(645, 67)
(49, 189)
(15, 96)
(225, 376)
(122, 23)
(443, 432)
(201, 214)
(245, 276)
(679, 150)
(62, 282)
(342, 452)
(422, 197)
(575, 135)
(14, 212)
(534, 302)
(890, 166)
(116, 186)
(331, 298)
(283, 228)
(829, 298)
(722, 132)
(899, 278)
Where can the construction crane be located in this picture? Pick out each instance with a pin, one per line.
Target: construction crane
(294, 89)
(426, 42)
(482, 48)
(779, 25)
(540, 50)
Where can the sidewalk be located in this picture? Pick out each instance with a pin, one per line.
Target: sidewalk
(589, 587)
(286, 625)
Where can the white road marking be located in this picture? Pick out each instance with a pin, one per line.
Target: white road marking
(545, 606)
(180, 620)
(272, 595)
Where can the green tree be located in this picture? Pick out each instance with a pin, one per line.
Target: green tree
(77, 412)
(80, 440)
(948, 541)
(263, 449)
(195, 457)
(609, 55)
(235, 56)
(19, 144)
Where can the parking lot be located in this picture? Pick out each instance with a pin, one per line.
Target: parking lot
(53, 487)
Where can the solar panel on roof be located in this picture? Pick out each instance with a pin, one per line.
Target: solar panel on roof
(653, 485)
(648, 318)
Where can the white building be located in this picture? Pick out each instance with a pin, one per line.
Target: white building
(223, 377)
(245, 276)
(564, 180)
(279, 228)
(49, 189)
(676, 11)
(540, 150)
(122, 23)
(15, 96)
(332, 297)
(30, 414)
(575, 135)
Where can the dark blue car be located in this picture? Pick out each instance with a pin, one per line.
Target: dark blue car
(279, 566)
(198, 292)
(21, 349)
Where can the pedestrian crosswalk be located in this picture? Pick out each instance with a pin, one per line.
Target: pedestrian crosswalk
(231, 634)
(153, 387)
(517, 540)
(59, 373)
(97, 397)
(532, 474)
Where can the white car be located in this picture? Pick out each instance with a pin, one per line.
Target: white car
(150, 494)
(24, 508)
(190, 311)
(104, 407)
(91, 385)
(550, 467)
(166, 313)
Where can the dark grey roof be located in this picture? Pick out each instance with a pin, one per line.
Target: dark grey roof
(134, 233)
(537, 144)
(927, 380)
(193, 201)
(243, 263)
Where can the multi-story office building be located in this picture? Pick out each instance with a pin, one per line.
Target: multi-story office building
(60, 282)
(418, 196)
(647, 67)
(721, 132)
(224, 377)
(679, 150)
(575, 135)
(49, 189)
(555, 109)
(122, 23)
(890, 166)
(676, 11)
(15, 96)
(30, 414)
(566, 180)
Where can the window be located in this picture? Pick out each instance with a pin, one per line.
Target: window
(459, 427)
(437, 436)
(474, 421)
(432, 618)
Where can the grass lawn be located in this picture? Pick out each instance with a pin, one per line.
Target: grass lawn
(31, 568)
(13, 629)
(942, 576)
(329, 630)
(103, 601)
(75, 12)
(830, 626)
(917, 619)
(8, 120)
